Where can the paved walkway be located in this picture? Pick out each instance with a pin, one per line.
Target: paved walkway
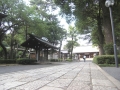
(69, 76)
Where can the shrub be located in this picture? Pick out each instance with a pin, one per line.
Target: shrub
(60, 60)
(54, 60)
(7, 61)
(26, 61)
(105, 59)
(70, 60)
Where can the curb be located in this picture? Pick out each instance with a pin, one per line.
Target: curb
(114, 81)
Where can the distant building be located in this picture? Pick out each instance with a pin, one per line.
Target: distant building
(89, 51)
(64, 54)
(79, 52)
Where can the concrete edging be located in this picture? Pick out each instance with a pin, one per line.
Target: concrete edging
(112, 79)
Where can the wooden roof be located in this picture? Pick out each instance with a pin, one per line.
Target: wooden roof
(37, 43)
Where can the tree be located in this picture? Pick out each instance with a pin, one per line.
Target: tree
(36, 18)
(14, 9)
(19, 16)
(97, 12)
(50, 24)
(72, 34)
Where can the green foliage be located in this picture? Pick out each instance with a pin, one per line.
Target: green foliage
(107, 65)
(105, 59)
(46, 23)
(7, 61)
(71, 44)
(70, 60)
(19, 53)
(109, 49)
(72, 34)
(38, 18)
(91, 16)
(60, 60)
(26, 61)
(0, 49)
(54, 60)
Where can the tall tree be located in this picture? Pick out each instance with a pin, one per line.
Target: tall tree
(72, 34)
(80, 10)
(13, 22)
(52, 29)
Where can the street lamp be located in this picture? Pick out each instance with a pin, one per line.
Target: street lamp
(110, 3)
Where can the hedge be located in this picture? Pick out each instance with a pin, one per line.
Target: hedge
(7, 61)
(26, 61)
(70, 60)
(105, 59)
(54, 60)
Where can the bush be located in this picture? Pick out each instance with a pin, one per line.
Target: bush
(7, 61)
(54, 60)
(105, 59)
(26, 61)
(60, 60)
(70, 60)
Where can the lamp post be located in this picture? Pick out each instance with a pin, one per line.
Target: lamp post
(110, 3)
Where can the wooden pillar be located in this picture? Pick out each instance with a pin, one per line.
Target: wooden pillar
(46, 54)
(36, 54)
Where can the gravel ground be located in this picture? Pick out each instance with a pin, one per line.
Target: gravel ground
(113, 71)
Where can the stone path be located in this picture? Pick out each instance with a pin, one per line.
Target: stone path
(70, 76)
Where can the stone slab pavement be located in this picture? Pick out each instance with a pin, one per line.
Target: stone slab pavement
(68, 76)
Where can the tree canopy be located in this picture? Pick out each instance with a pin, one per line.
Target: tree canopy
(92, 16)
(22, 19)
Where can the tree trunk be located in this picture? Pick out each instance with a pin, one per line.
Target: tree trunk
(108, 32)
(72, 52)
(4, 49)
(72, 47)
(106, 23)
(23, 55)
(11, 46)
(60, 49)
(100, 33)
(101, 50)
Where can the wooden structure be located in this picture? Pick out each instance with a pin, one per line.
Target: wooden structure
(64, 54)
(79, 52)
(39, 45)
(88, 51)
